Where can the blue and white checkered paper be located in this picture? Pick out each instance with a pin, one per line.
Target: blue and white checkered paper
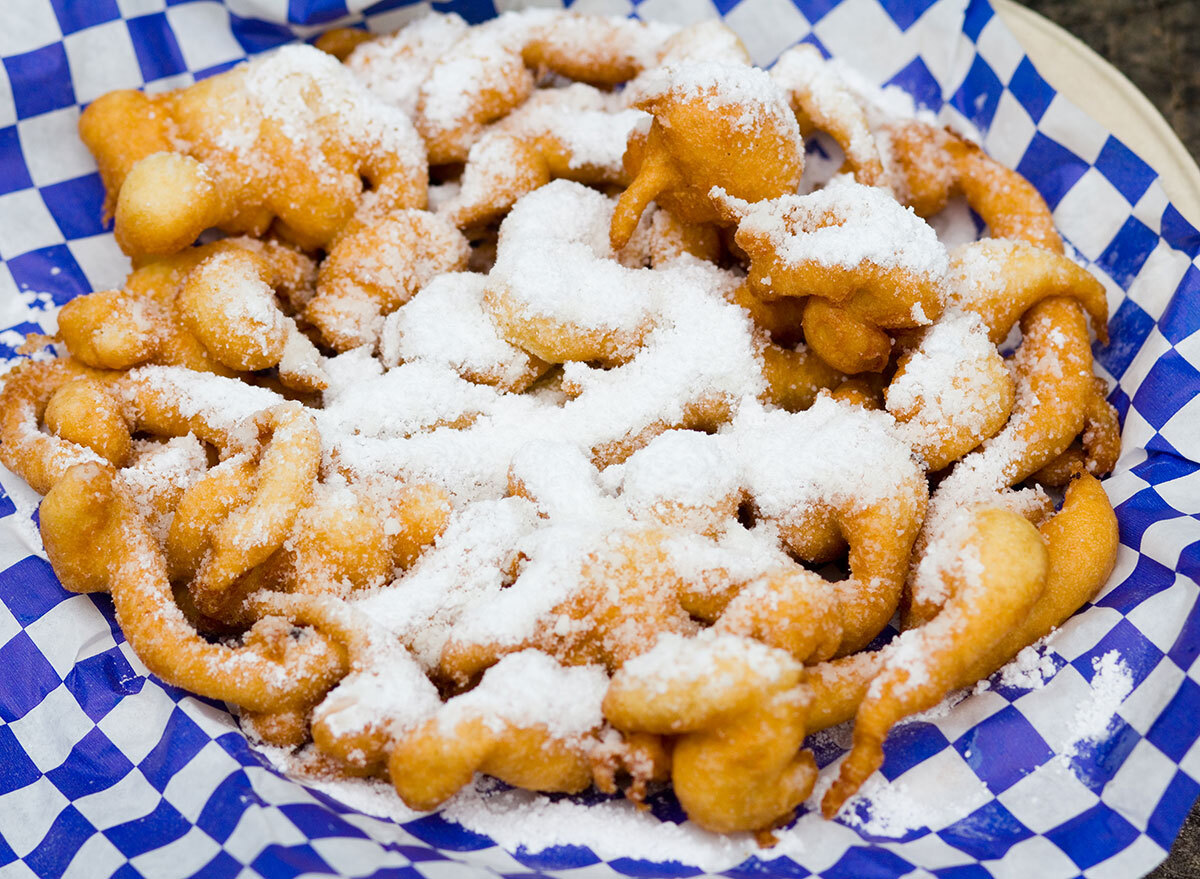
(105, 770)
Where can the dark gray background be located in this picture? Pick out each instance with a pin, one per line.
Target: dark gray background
(1156, 43)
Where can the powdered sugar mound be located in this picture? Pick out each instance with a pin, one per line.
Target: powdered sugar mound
(831, 452)
(529, 689)
(403, 401)
(497, 163)
(1030, 669)
(942, 379)
(487, 54)
(718, 658)
(554, 258)
(553, 562)
(733, 555)
(743, 96)
(300, 358)
(1112, 683)
(446, 324)
(700, 356)
(597, 40)
(844, 225)
(610, 828)
(468, 563)
(393, 67)
(558, 477)
(387, 687)
(701, 350)
(722, 85)
(594, 139)
(684, 466)
(708, 40)
(217, 401)
(308, 94)
(930, 576)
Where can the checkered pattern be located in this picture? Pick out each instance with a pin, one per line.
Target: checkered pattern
(105, 770)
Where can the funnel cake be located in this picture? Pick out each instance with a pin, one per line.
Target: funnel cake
(607, 465)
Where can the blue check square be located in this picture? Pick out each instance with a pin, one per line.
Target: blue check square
(94, 764)
(1003, 749)
(987, 833)
(916, 79)
(979, 95)
(1127, 331)
(74, 15)
(41, 80)
(66, 836)
(1170, 383)
(1031, 91)
(1051, 168)
(1124, 170)
(22, 661)
(14, 173)
(1091, 837)
(77, 206)
(1179, 725)
(154, 43)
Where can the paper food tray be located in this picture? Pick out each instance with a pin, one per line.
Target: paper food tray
(105, 770)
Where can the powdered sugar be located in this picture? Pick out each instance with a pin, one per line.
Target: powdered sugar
(529, 689)
(1113, 681)
(304, 91)
(570, 273)
(721, 660)
(943, 384)
(387, 688)
(1031, 669)
(686, 467)
(846, 224)
(722, 86)
(829, 452)
(446, 325)
(393, 67)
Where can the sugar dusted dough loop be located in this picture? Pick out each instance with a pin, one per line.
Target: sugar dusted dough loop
(541, 743)
(567, 297)
(1098, 447)
(41, 459)
(823, 102)
(376, 268)
(228, 303)
(1081, 546)
(716, 124)
(252, 154)
(999, 575)
(952, 391)
(1002, 280)
(285, 474)
(874, 264)
(574, 133)
(1053, 372)
(736, 710)
(930, 165)
(97, 541)
(152, 320)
